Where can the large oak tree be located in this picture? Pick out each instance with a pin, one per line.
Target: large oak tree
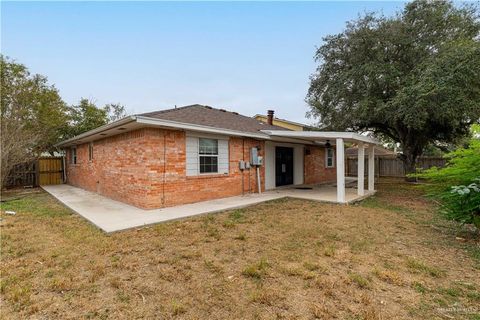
(413, 78)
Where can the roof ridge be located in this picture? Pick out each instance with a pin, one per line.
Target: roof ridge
(153, 113)
(213, 117)
(171, 109)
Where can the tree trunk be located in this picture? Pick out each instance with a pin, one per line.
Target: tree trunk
(409, 164)
(411, 152)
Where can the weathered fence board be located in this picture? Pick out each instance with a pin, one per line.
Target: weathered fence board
(392, 166)
(23, 175)
(44, 171)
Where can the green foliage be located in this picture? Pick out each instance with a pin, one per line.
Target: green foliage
(413, 78)
(32, 105)
(457, 185)
(33, 116)
(87, 116)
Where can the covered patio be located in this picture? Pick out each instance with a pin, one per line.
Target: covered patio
(339, 193)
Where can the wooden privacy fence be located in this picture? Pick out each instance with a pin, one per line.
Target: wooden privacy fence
(44, 171)
(50, 170)
(392, 166)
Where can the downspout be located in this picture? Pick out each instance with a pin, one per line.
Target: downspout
(243, 159)
(164, 166)
(64, 164)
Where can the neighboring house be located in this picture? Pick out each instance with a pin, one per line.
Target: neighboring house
(290, 125)
(195, 153)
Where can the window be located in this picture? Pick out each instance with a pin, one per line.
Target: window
(208, 155)
(330, 158)
(73, 155)
(90, 151)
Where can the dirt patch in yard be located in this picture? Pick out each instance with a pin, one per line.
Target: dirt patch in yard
(389, 257)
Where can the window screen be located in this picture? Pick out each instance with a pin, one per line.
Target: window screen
(90, 151)
(74, 156)
(208, 155)
(330, 158)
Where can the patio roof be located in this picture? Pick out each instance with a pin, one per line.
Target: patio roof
(320, 136)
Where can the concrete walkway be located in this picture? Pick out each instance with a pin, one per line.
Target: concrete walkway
(110, 215)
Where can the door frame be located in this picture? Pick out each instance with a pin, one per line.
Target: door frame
(287, 172)
(298, 167)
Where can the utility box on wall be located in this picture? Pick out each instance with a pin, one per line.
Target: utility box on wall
(255, 159)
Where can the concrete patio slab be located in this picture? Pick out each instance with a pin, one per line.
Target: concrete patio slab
(110, 215)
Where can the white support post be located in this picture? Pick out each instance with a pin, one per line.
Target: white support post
(361, 169)
(340, 156)
(371, 168)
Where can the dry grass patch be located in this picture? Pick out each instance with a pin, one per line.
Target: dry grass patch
(390, 257)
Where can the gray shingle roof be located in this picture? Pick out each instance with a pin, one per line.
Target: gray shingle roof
(212, 117)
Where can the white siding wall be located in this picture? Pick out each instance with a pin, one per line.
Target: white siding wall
(269, 165)
(298, 152)
(192, 166)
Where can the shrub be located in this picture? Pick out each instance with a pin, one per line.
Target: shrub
(457, 186)
(462, 203)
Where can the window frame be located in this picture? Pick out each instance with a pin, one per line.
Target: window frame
(209, 155)
(327, 157)
(90, 152)
(73, 155)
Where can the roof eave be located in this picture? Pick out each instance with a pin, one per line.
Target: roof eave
(143, 121)
(322, 135)
(95, 131)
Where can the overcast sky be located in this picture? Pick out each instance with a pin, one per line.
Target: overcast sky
(244, 57)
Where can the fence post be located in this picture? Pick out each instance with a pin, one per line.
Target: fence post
(37, 173)
(64, 172)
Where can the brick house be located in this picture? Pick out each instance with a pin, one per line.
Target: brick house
(197, 153)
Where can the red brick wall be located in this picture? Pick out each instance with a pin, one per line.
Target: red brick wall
(314, 167)
(146, 168)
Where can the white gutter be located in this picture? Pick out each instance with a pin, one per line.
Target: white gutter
(147, 121)
(293, 136)
(103, 128)
(321, 135)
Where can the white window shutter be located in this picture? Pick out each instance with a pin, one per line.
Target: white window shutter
(223, 156)
(192, 156)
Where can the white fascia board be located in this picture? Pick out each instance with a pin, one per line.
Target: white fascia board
(98, 130)
(318, 135)
(199, 128)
